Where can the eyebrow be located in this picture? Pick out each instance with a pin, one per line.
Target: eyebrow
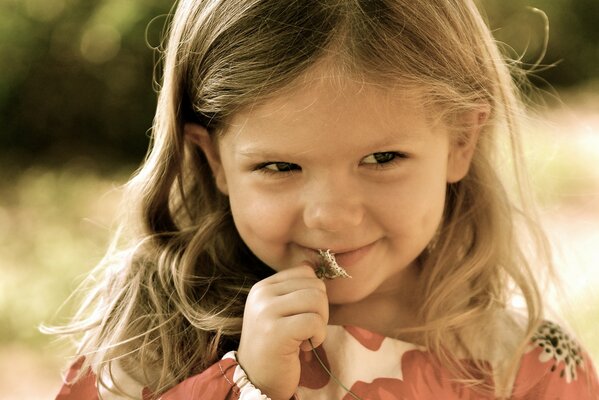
(265, 154)
(390, 142)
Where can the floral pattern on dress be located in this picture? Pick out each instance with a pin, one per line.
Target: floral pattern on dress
(84, 389)
(313, 375)
(374, 367)
(559, 348)
(372, 341)
(423, 379)
(555, 367)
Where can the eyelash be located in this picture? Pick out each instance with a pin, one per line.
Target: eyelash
(262, 168)
(292, 168)
(397, 156)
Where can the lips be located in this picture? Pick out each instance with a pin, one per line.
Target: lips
(346, 257)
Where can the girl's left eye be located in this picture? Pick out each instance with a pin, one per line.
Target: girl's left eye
(277, 167)
(382, 158)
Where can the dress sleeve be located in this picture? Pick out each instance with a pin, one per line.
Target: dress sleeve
(82, 389)
(555, 367)
(224, 380)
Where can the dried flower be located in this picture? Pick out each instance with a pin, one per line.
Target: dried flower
(328, 267)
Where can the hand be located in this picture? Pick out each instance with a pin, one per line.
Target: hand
(282, 312)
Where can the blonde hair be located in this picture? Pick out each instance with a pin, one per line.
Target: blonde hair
(169, 303)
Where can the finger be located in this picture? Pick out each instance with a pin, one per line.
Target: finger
(271, 301)
(309, 300)
(312, 343)
(306, 326)
(304, 270)
(292, 285)
(265, 292)
(307, 345)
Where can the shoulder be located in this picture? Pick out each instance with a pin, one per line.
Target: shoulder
(81, 383)
(220, 381)
(555, 366)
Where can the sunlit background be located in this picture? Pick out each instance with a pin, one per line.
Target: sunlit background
(76, 103)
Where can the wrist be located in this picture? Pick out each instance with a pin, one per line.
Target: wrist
(247, 389)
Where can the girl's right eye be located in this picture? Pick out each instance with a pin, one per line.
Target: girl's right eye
(277, 167)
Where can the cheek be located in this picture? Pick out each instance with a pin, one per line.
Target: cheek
(416, 208)
(432, 217)
(432, 210)
(264, 220)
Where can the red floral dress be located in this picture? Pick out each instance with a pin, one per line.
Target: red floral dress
(375, 367)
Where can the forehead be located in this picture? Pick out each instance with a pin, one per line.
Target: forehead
(326, 101)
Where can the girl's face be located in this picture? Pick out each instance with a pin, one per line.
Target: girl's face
(352, 168)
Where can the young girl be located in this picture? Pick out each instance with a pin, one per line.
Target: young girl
(383, 131)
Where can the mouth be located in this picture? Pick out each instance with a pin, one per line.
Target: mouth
(345, 257)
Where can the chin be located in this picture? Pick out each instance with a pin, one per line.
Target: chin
(342, 294)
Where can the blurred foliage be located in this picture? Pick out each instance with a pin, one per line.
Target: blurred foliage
(76, 75)
(77, 78)
(570, 29)
(54, 227)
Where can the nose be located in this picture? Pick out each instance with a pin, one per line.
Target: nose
(332, 207)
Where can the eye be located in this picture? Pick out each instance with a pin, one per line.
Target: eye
(277, 167)
(382, 158)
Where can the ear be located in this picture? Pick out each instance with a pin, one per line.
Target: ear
(200, 136)
(462, 150)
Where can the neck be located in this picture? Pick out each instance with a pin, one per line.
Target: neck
(386, 311)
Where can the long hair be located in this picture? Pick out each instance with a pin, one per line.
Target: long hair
(167, 300)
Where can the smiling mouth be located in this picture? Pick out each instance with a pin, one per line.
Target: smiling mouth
(345, 259)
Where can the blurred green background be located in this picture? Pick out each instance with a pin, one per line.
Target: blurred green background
(76, 103)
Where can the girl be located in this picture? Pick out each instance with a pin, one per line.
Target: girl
(370, 128)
